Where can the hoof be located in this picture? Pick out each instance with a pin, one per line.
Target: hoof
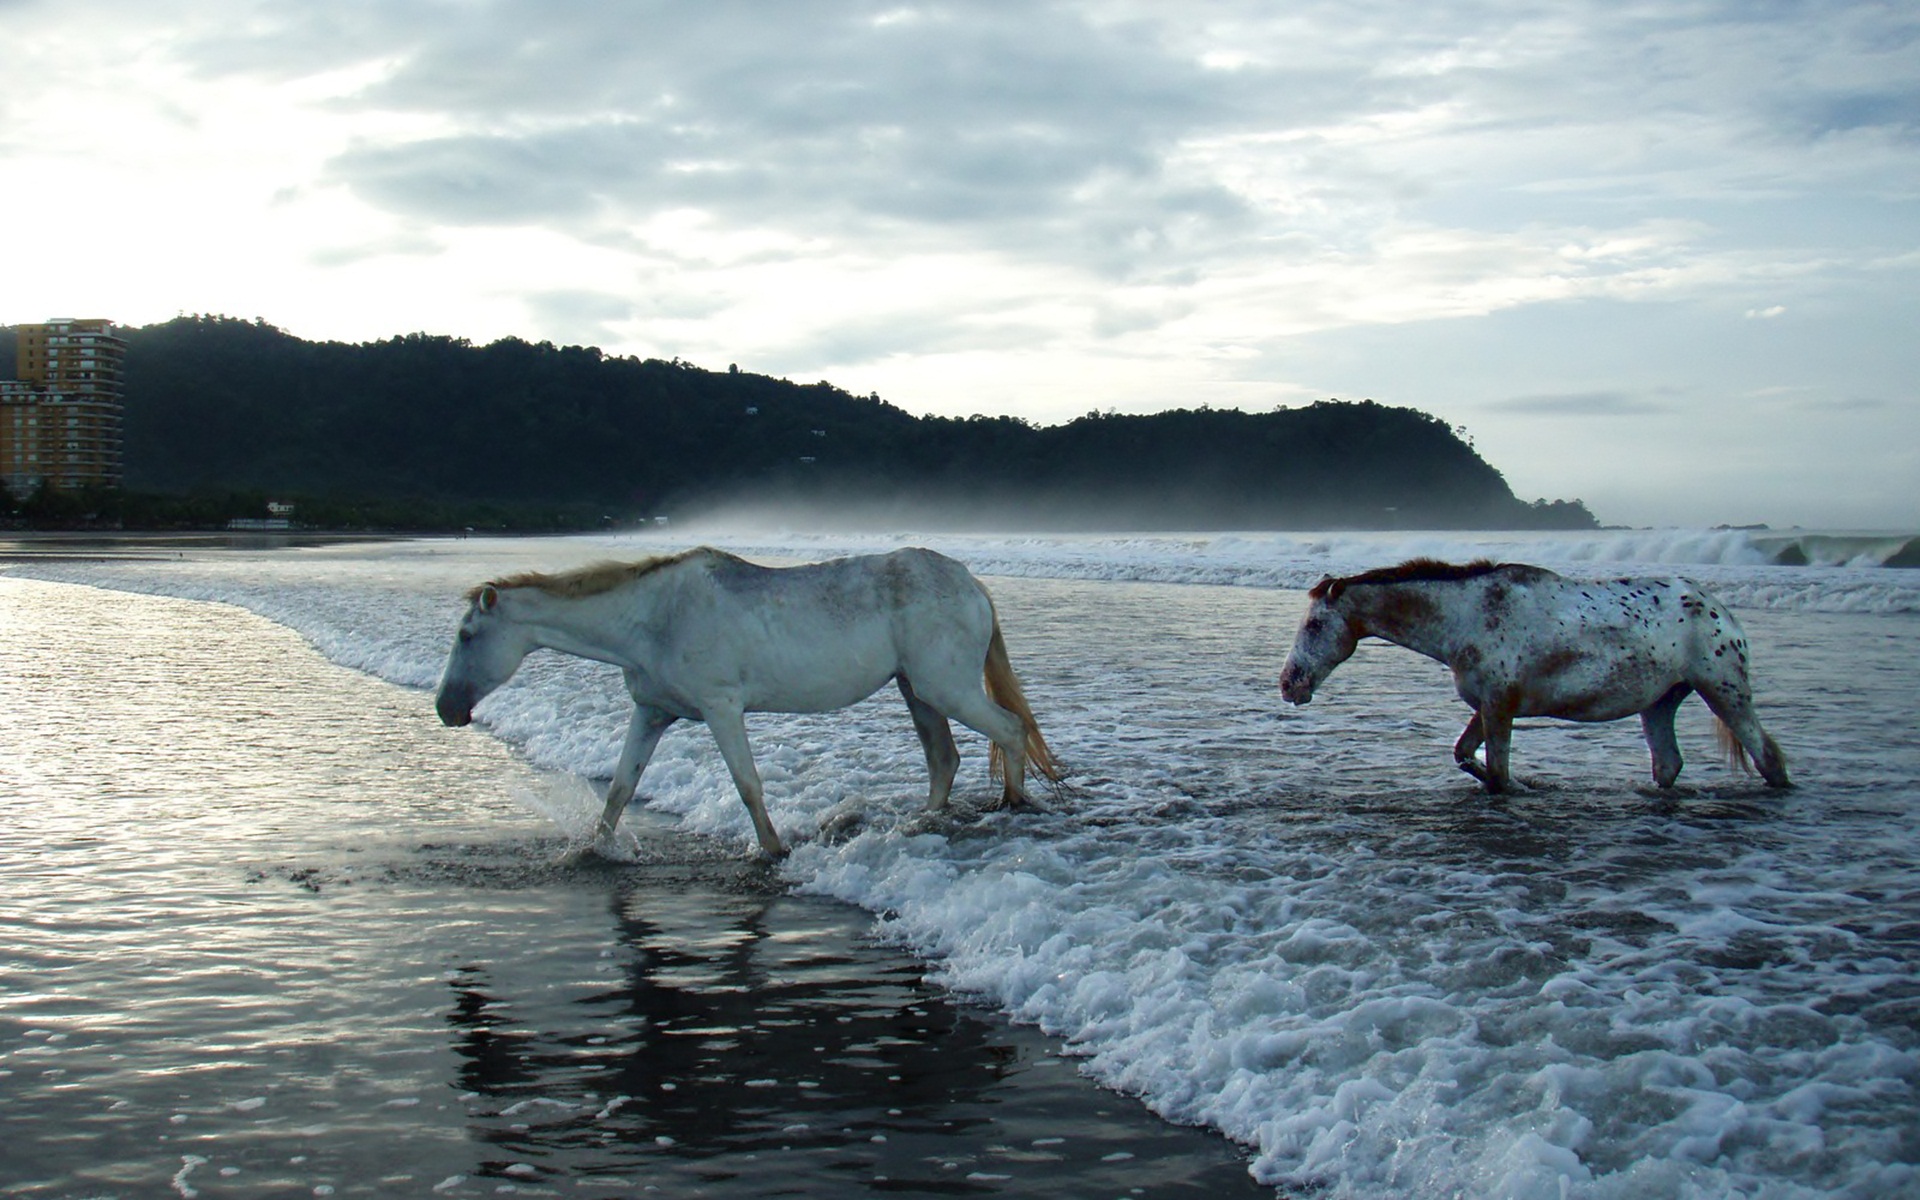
(842, 824)
(1012, 801)
(600, 845)
(941, 821)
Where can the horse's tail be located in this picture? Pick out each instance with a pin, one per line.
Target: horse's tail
(1003, 688)
(1773, 767)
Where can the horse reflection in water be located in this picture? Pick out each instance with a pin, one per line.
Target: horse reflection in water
(1523, 641)
(739, 1043)
(732, 1020)
(706, 636)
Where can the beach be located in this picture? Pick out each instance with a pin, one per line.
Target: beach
(273, 930)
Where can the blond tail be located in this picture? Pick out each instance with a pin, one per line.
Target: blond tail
(1003, 688)
(1731, 750)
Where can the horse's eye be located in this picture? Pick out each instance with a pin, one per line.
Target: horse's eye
(1313, 625)
(466, 635)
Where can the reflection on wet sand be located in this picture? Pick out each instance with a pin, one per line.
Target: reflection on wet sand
(234, 968)
(762, 1044)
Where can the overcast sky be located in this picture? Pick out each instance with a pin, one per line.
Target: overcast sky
(1660, 255)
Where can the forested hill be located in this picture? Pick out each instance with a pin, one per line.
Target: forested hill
(220, 403)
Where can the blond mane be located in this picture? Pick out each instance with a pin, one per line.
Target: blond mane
(594, 578)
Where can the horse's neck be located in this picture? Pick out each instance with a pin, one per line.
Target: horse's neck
(604, 627)
(1418, 616)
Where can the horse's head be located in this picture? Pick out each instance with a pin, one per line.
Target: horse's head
(1325, 640)
(486, 652)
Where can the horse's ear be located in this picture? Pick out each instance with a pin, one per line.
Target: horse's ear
(1330, 588)
(489, 596)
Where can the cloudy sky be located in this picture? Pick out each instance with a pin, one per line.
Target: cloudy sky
(1662, 255)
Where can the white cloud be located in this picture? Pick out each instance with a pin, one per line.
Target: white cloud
(1039, 209)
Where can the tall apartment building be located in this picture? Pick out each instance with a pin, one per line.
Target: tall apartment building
(60, 418)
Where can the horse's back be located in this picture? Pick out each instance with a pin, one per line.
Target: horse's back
(1540, 644)
(821, 635)
(934, 600)
(1600, 649)
(855, 588)
(1674, 613)
(939, 617)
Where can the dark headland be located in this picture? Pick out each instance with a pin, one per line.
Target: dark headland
(425, 432)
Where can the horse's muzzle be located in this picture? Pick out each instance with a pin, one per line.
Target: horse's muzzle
(455, 709)
(1295, 687)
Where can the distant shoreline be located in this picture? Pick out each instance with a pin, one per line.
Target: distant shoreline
(31, 545)
(1893, 549)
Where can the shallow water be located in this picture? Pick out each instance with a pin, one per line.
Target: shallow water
(1303, 927)
(270, 930)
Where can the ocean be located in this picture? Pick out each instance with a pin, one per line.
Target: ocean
(258, 900)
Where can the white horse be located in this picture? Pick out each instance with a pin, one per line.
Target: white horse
(1524, 642)
(706, 636)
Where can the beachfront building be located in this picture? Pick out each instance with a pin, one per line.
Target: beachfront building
(60, 415)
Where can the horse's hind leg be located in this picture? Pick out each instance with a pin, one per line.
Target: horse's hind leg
(936, 738)
(1733, 704)
(1496, 731)
(1005, 729)
(730, 734)
(1656, 721)
(1498, 727)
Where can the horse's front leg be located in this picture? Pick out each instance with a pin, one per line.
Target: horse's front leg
(643, 735)
(730, 734)
(1463, 750)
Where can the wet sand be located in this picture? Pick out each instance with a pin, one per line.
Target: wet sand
(273, 932)
(745, 1042)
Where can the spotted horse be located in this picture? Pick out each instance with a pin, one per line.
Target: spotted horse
(1523, 641)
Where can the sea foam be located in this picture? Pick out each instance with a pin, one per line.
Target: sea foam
(1302, 927)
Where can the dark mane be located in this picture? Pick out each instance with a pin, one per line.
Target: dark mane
(595, 578)
(1417, 570)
